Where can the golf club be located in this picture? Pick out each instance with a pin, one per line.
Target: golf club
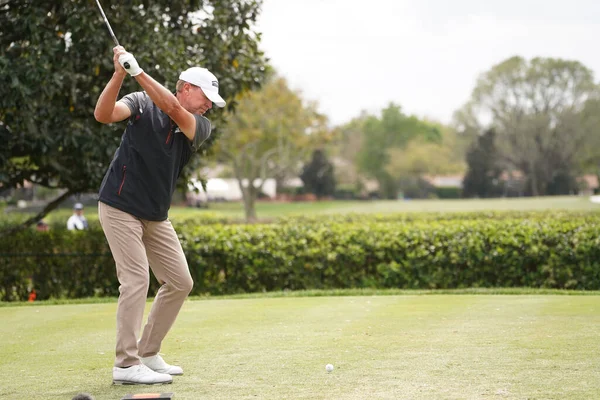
(112, 34)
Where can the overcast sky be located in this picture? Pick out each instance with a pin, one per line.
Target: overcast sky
(425, 55)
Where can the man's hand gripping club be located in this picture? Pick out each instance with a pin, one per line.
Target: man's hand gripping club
(127, 61)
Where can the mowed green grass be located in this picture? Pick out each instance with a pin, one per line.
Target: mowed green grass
(266, 209)
(270, 210)
(383, 347)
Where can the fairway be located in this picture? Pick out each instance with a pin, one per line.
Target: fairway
(383, 347)
(274, 209)
(270, 210)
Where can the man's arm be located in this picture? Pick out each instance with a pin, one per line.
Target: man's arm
(107, 108)
(166, 101)
(161, 96)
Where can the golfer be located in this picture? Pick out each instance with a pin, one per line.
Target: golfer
(163, 130)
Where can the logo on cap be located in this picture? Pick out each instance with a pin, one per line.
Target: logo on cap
(215, 83)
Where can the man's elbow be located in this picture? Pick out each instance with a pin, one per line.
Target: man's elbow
(103, 119)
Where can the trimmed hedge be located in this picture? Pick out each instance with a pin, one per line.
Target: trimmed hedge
(446, 254)
(58, 263)
(558, 250)
(534, 215)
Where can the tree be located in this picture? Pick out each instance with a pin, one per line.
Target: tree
(484, 168)
(544, 113)
(422, 156)
(588, 156)
(392, 130)
(269, 135)
(318, 175)
(409, 165)
(56, 57)
(344, 149)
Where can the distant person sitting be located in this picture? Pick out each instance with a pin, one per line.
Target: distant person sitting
(42, 226)
(77, 221)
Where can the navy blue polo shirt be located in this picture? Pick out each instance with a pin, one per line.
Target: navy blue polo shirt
(142, 176)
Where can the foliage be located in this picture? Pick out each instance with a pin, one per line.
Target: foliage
(545, 113)
(415, 187)
(268, 136)
(318, 175)
(392, 130)
(405, 165)
(448, 192)
(430, 217)
(424, 156)
(346, 192)
(483, 178)
(57, 263)
(468, 250)
(345, 148)
(421, 158)
(56, 57)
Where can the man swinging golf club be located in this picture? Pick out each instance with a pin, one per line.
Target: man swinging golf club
(163, 130)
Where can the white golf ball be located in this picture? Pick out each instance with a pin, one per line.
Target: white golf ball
(329, 367)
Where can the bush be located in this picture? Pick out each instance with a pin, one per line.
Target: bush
(57, 263)
(346, 192)
(414, 187)
(424, 251)
(406, 217)
(448, 192)
(445, 254)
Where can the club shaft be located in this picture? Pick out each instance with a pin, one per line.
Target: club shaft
(107, 23)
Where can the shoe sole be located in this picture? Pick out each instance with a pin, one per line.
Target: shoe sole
(165, 372)
(140, 383)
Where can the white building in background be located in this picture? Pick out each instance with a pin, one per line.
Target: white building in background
(445, 180)
(218, 189)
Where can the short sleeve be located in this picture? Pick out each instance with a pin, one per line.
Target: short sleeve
(203, 128)
(135, 101)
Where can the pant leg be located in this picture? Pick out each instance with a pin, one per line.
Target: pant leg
(170, 267)
(124, 234)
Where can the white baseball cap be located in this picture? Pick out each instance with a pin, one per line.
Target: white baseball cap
(204, 79)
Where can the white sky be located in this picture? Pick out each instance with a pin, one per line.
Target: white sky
(425, 55)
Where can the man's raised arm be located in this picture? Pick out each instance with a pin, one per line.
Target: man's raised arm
(161, 96)
(107, 108)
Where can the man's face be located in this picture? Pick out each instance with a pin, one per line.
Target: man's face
(196, 100)
(79, 212)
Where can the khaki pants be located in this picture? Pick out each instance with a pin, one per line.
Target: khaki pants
(136, 244)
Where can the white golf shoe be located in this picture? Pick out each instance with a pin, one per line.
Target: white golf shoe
(157, 364)
(139, 375)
